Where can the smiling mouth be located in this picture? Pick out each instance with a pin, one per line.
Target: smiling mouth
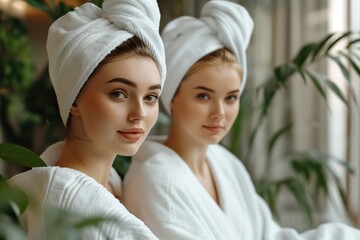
(131, 136)
(214, 129)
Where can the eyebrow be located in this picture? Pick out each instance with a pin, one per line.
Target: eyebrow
(210, 90)
(204, 88)
(132, 84)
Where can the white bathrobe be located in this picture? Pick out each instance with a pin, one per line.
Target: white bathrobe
(70, 190)
(160, 189)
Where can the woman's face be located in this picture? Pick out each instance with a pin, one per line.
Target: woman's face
(119, 104)
(207, 103)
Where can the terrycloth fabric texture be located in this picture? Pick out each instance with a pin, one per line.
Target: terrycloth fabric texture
(187, 39)
(160, 189)
(52, 154)
(80, 40)
(50, 188)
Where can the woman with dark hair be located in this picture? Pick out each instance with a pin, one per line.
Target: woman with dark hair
(108, 107)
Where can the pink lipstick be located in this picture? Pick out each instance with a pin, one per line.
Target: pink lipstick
(132, 134)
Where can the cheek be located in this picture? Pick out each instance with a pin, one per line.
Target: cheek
(152, 114)
(191, 112)
(101, 109)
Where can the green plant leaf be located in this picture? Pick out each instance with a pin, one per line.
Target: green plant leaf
(53, 9)
(320, 46)
(346, 74)
(61, 9)
(337, 40)
(340, 188)
(321, 179)
(10, 229)
(353, 42)
(300, 70)
(300, 196)
(300, 167)
(39, 4)
(337, 91)
(19, 155)
(317, 165)
(121, 164)
(13, 201)
(342, 67)
(269, 192)
(269, 89)
(357, 71)
(352, 62)
(316, 83)
(303, 54)
(283, 73)
(276, 136)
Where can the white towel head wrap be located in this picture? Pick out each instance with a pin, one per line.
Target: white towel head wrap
(78, 41)
(188, 39)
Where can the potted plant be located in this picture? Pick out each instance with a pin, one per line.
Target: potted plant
(311, 170)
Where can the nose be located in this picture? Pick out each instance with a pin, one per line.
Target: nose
(218, 111)
(137, 111)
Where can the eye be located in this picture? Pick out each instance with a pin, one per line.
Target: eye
(231, 98)
(119, 94)
(203, 96)
(153, 98)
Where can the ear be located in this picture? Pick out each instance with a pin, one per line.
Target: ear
(74, 110)
(172, 105)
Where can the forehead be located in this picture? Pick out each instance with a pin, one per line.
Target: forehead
(225, 74)
(140, 69)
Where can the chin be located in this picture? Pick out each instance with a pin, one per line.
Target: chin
(129, 151)
(211, 141)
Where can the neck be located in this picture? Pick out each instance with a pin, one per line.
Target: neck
(193, 154)
(191, 151)
(82, 156)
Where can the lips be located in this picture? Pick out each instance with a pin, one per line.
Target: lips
(132, 134)
(214, 128)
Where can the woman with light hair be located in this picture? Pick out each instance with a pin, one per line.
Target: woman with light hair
(108, 107)
(187, 186)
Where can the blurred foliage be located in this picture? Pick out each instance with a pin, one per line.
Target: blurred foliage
(23, 114)
(121, 165)
(56, 9)
(312, 170)
(14, 202)
(22, 96)
(15, 75)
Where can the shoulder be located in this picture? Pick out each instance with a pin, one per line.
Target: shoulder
(41, 177)
(62, 187)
